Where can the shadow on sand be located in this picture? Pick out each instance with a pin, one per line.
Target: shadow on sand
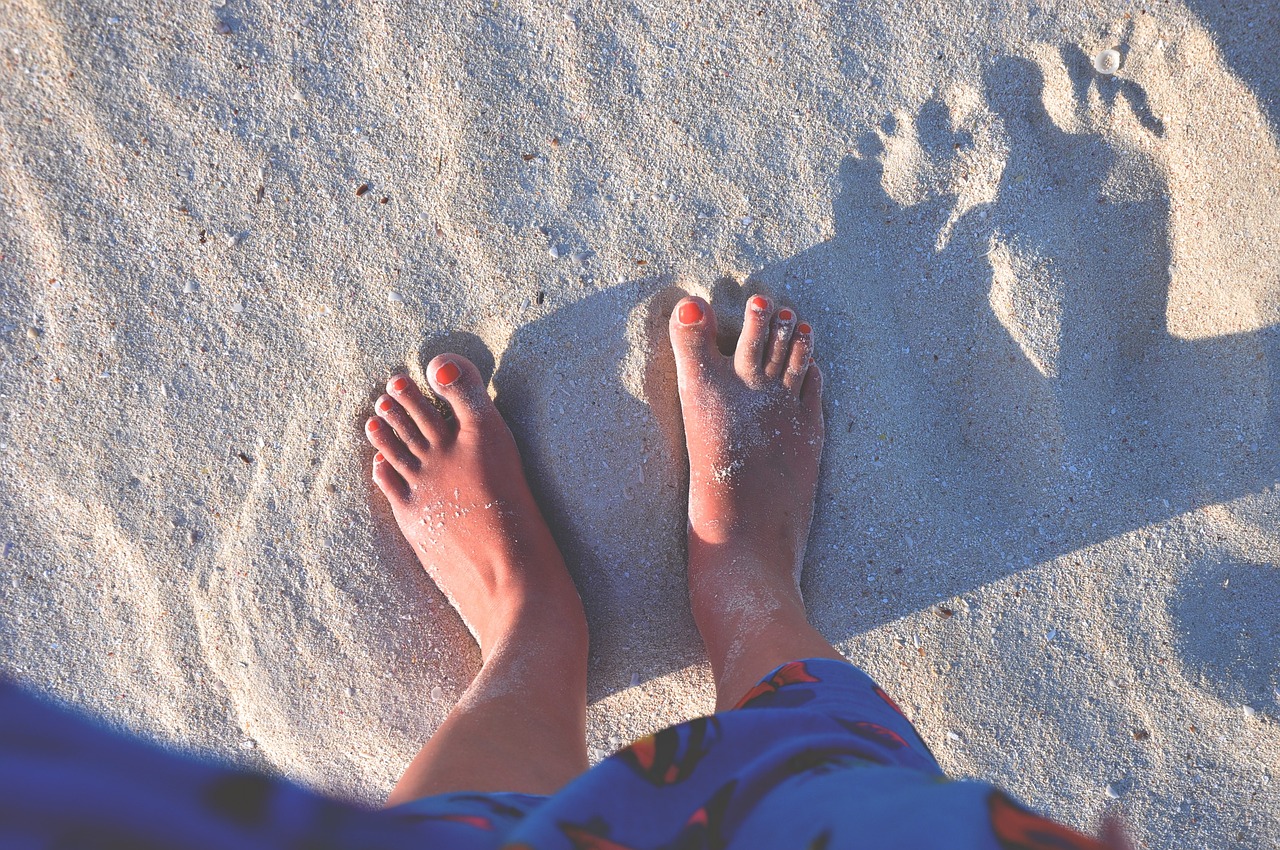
(1106, 425)
(1248, 33)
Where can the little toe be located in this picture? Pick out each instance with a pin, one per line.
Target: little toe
(780, 343)
(693, 337)
(798, 359)
(390, 482)
(457, 380)
(749, 356)
(429, 420)
(398, 418)
(384, 439)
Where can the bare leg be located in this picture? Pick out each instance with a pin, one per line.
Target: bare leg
(753, 424)
(459, 495)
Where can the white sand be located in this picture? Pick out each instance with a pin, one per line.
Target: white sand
(1051, 356)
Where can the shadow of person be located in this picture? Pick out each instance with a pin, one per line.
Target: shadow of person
(995, 399)
(1014, 394)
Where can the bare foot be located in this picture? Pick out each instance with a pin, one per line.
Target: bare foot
(459, 494)
(753, 425)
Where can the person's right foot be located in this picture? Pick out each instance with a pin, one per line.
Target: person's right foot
(753, 426)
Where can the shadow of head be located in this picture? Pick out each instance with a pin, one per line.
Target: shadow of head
(1015, 89)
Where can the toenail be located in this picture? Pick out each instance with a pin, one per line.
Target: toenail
(448, 373)
(384, 405)
(786, 316)
(374, 425)
(690, 313)
(399, 385)
(804, 328)
(760, 303)
(378, 458)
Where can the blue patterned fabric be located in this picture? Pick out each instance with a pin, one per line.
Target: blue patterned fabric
(815, 756)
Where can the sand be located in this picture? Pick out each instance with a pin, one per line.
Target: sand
(1046, 300)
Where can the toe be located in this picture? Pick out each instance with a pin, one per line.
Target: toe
(384, 439)
(457, 380)
(780, 343)
(798, 359)
(749, 356)
(693, 337)
(390, 482)
(398, 418)
(424, 414)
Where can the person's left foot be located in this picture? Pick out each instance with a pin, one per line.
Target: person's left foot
(459, 495)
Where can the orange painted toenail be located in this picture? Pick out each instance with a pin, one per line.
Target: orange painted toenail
(400, 385)
(759, 303)
(378, 458)
(374, 425)
(690, 313)
(804, 328)
(786, 315)
(384, 405)
(447, 374)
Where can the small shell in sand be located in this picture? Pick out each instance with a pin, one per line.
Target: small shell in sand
(1106, 61)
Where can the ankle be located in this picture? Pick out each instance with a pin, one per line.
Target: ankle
(726, 572)
(552, 622)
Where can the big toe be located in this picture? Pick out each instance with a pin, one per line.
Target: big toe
(693, 337)
(457, 380)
